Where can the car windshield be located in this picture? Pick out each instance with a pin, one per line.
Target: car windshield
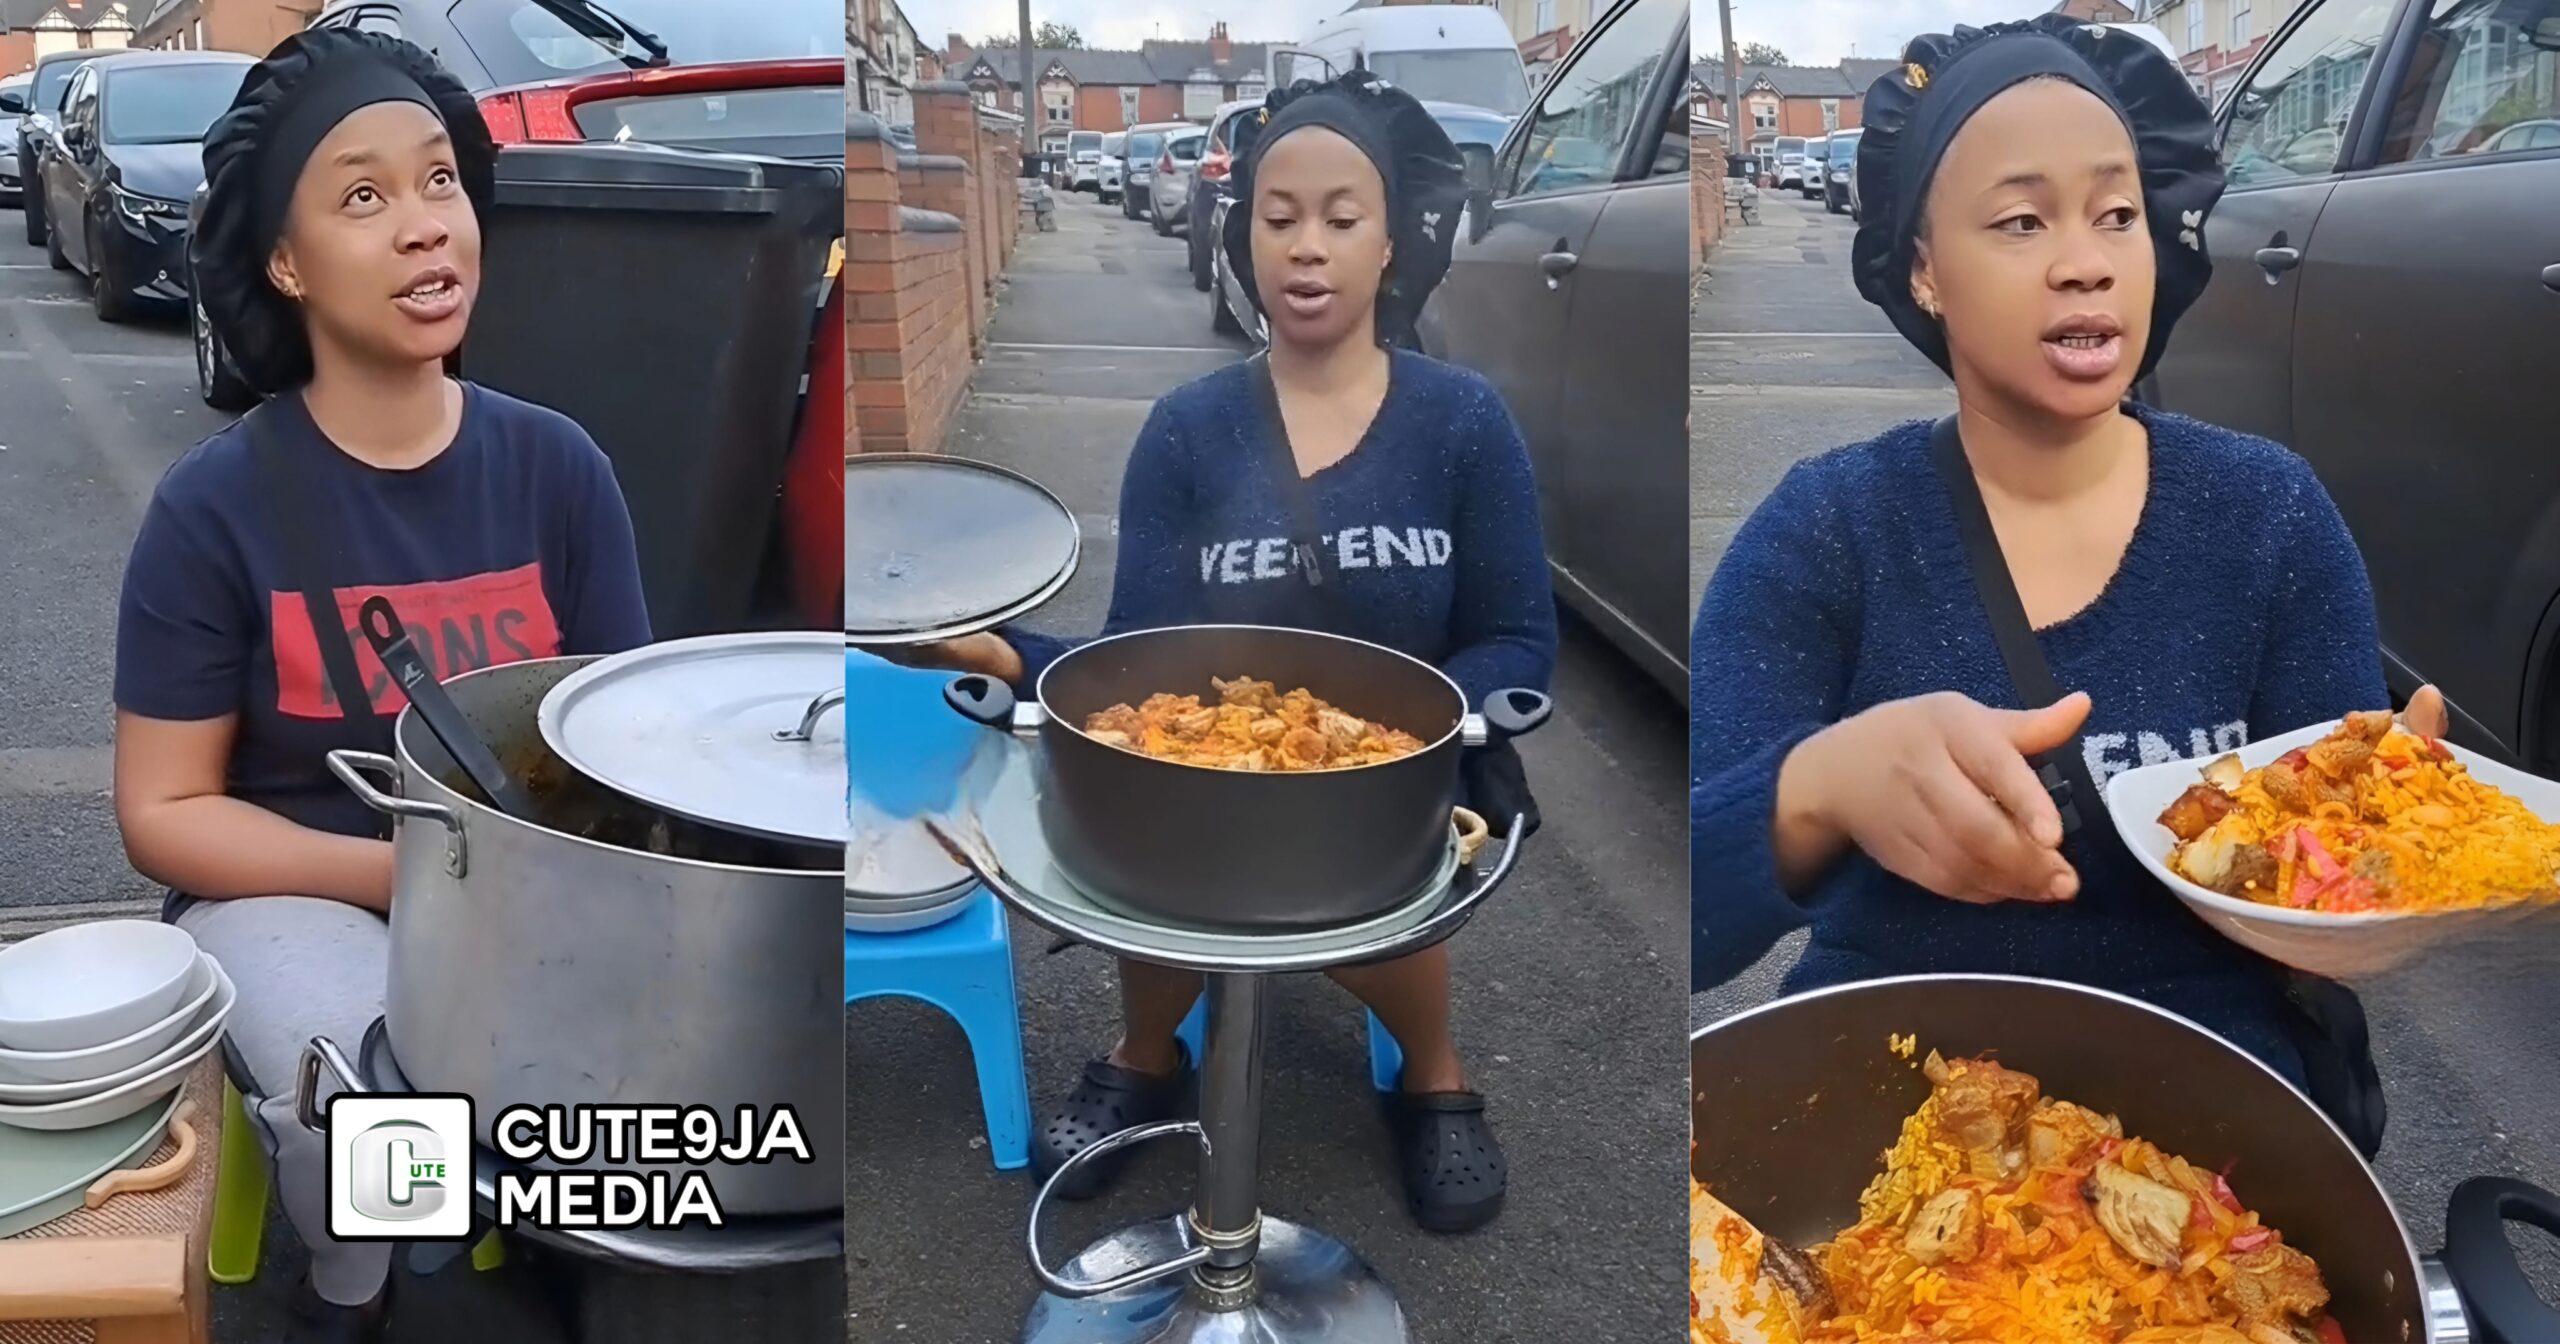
(1466, 128)
(1789, 144)
(523, 43)
(1491, 79)
(1186, 148)
(1144, 144)
(167, 104)
(1085, 142)
(1111, 144)
(51, 81)
(1844, 151)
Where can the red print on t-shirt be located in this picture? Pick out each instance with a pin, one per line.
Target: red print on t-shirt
(459, 625)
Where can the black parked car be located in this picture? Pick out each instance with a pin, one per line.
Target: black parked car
(118, 174)
(44, 110)
(2386, 302)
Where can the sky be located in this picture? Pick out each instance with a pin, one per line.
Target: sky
(1820, 32)
(1123, 23)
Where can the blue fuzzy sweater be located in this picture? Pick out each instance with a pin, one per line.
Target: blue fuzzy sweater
(1430, 529)
(2241, 610)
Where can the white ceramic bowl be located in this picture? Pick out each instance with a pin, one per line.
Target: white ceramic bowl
(116, 1103)
(2339, 946)
(74, 1066)
(90, 984)
(203, 1019)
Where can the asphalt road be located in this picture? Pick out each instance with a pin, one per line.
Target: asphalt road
(1567, 984)
(1787, 363)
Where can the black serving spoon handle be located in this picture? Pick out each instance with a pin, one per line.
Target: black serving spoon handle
(390, 641)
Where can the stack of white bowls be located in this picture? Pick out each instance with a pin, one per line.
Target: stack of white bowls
(98, 1021)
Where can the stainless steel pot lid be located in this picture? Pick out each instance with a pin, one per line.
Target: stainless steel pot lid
(744, 732)
(938, 547)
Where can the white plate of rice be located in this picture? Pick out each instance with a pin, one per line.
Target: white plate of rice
(2339, 946)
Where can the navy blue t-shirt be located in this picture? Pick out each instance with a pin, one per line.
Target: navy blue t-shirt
(512, 544)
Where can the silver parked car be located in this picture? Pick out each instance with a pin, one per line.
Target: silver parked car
(13, 104)
(1568, 289)
(1108, 184)
(1138, 156)
(1169, 183)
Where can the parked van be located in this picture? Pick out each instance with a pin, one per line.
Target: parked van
(1439, 53)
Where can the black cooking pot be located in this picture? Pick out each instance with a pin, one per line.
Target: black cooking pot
(1199, 845)
(1792, 1104)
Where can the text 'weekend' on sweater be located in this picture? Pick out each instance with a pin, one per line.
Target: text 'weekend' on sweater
(1430, 529)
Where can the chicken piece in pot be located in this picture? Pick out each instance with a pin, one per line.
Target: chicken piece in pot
(2143, 1217)
(2274, 1285)
(1268, 731)
(1947, 1230)
(2284, 784)
(1983, 1109)
(1344, 731)
(2061, 1134)
(1306, 746)
(1119, 720)
(2196, 810)
(1807, 1292)
(1248, 692)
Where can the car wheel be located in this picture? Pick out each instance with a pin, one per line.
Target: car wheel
(1222, 319)
(1155, 217)
(106, 294)
(216, 381)
(1200, 278)
(33, 194)
(53, 251)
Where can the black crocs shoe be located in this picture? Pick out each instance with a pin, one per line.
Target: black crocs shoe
(1453, 1169)
(1105, 1101)
(318, 1321)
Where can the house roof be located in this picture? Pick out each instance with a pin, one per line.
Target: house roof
(82, 13)
(1862, 72)
(1174, 62)
(1790, 81)
(1084, 66)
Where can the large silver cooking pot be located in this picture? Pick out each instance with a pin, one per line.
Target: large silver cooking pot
(534, 967)
(1792, 1102)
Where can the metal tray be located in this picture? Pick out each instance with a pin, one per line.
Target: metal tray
(938, 547)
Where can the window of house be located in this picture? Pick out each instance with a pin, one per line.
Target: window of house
(2195, 25)
(2239, 24)
(1128, 106)
(1830, 115)
(1546, 16)
(1764, 116)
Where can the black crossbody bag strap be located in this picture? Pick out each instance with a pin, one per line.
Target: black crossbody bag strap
(1306, 537)
(2330, 1027)
(296, 522)
(2064, 772)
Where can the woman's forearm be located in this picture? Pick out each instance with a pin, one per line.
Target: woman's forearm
(1801, 838)
(218, 847)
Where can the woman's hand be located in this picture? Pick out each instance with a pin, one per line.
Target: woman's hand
(2425, 714)
(1937, 789)
(985, 654)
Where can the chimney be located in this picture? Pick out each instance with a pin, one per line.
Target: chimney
(957, 46)
(1220, 49)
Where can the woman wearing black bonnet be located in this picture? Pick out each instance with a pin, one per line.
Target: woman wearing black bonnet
(1347, 196)
(337, 259)
(1917, 789)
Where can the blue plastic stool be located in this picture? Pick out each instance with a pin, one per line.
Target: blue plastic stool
(1386, 1058)
(963, 966)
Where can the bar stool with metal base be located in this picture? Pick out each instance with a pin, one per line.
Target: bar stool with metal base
(1224, 1270)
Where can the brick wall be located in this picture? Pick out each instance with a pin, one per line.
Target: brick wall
(1706, 195)
(926, 237)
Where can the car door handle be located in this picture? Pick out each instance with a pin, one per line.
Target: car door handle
(2276, 261)
(2551, 277)
(1557, 265)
